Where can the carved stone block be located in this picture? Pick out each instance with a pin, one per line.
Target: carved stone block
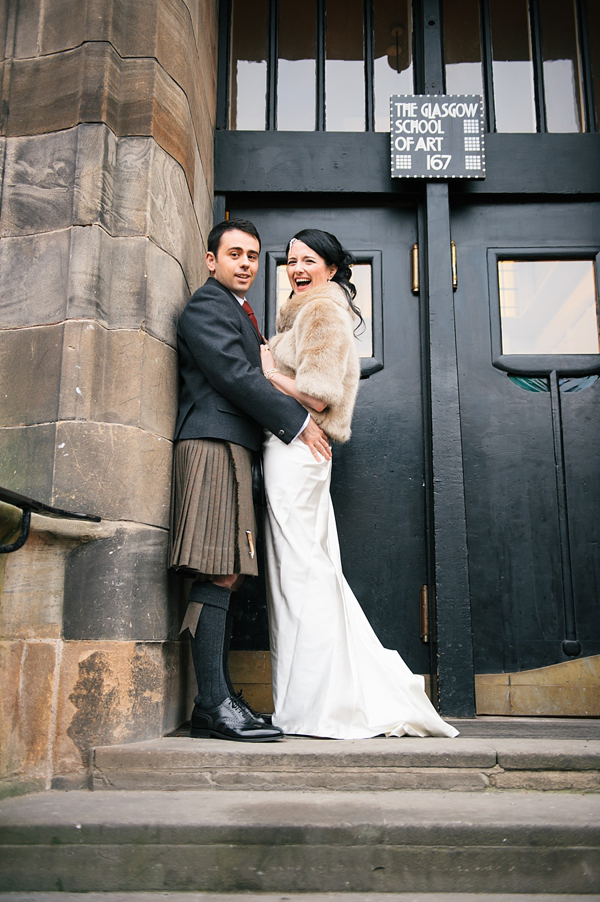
(181, 38)
(116, 588)
(27, 460)
(32, 278)
(84, 273)
(30, 368)
(92, 83)
(37, 191)
(130, 186)
(104, 469)
(33, 578)
(118, 376)
(113, 692)
(27, 675)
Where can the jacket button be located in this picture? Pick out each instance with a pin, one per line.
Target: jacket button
(282, 432)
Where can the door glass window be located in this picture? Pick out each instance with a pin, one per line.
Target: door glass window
(345, 67)
(362, 277)
(296, 72)
(248, 73)
(561, 66)
(512, 66)
(462, 47)
(393, 73)
(548, 307)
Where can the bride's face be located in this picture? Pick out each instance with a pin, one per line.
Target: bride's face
(306, 269)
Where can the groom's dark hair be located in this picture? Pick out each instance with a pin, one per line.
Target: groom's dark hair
(215, 235)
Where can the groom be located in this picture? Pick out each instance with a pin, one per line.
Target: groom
(225, 402)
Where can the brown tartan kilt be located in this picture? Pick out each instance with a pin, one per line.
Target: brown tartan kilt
(213, 524)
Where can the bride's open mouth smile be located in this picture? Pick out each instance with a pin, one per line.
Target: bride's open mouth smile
(301, 283)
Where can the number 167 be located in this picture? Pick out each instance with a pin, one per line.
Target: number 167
(438, 161)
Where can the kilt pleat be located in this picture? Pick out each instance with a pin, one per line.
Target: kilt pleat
(206, 535)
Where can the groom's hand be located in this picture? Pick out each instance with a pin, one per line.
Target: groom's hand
(313, 436)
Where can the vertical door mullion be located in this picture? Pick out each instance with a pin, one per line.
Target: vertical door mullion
(571, 646)
(272, 60)
(454, 642)
(535, 30)
(369, 52)
(583, 45)
(487, 56)
(224, 63)
(320, 63)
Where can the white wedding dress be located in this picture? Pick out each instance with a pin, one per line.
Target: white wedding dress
(331, 675)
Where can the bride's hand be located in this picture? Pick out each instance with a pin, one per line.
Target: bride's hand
(267, 360)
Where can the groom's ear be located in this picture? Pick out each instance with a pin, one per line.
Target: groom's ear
(211, 261)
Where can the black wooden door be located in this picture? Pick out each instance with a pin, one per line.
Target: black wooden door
(378, 482)
(530, 431)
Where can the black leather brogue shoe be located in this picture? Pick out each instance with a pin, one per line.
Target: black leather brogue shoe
(230, 720)
(261, 718)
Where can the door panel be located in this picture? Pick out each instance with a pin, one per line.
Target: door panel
(377, 483)
(520, 567)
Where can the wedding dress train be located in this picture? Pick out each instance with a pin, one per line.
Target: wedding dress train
(331, 675)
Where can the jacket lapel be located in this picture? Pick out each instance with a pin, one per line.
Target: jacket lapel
(244, 318)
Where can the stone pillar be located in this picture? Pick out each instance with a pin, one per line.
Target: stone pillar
(106, 155)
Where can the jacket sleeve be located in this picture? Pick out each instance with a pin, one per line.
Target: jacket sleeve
(213, 336)
(323, 345)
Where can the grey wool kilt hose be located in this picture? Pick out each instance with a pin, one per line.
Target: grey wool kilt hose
(213, 524)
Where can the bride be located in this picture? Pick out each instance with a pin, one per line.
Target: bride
(331, 675)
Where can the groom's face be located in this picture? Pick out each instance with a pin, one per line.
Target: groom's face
(236, 262)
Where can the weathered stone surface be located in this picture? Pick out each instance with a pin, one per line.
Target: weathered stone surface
(509, 843)
(31, 604)
(10, 527)
(547, 781)
(25, 27)
(117, 588)
(526, 754)
(105, 469)
(164, 203)
(158, 30)
(94, 84)
(203, 201)
(32, 278)
(39, 175)
(110, 692)
(27, 459)
(83, 371)
(118, 376)
(571, 689)
(84, 273)
(30, 371)
(3, 27)
(130, 186)
(125, 283)
(492, 695)
(32, 595)
(27, 675)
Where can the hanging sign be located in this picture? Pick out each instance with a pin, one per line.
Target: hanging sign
(437, 136)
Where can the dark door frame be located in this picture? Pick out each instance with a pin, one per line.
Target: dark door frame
(357, 164)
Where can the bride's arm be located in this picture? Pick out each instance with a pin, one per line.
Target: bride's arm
(286, 384)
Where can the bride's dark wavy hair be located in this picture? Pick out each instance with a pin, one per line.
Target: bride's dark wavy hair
(329, 248)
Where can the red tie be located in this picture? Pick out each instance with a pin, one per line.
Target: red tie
(246, 306)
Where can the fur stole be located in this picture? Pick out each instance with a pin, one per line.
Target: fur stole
(315, 345)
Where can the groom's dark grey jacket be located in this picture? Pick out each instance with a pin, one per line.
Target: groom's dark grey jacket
(222, 391)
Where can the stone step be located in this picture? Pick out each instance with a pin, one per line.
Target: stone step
(292, 897)
(298, 842)
(459, 764)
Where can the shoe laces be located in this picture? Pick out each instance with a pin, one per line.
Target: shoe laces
(235, 702)
(239, 698)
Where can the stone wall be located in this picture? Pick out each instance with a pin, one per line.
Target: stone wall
(106, 156)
